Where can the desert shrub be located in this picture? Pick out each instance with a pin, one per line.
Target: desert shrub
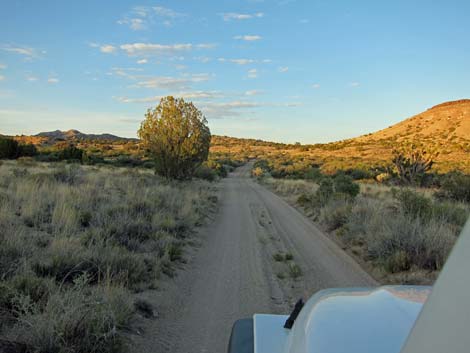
(426, 245)
(206, 173)
(357, 174)
(27, 150)
(69, 152)
(325, 190)
(278, 257)
(335, 213)
(8, 148)
(344, 184)
(414, 204)
(313, 174)
(451, 213)
(74, 319)
(456, 186)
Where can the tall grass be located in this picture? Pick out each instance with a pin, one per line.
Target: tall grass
(76, 242)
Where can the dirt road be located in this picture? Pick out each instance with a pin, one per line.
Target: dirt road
(233, 273)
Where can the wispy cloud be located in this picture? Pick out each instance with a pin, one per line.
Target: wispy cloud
(226, 109)
(171, 83)
(108, 49)
(283, 69)
(252, 73)
(52, 80)
(248, 38)
(253, 92)
(141, 17)
(229, 16)
(31, 78)
(2, 66)
(237, 61)
(147, 49)
(316, 85)
(2, 77)
(142, 61)
(28, 52)
(354, 84)
(186, 95)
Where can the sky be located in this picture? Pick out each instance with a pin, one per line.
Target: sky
(280, 70)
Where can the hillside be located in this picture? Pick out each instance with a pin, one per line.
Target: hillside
(444, 128)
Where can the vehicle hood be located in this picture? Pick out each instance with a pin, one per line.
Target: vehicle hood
(345, 321)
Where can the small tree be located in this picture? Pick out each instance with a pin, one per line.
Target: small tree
(411, 163)
(176, 134)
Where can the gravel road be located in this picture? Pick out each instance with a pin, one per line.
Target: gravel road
(232, 274)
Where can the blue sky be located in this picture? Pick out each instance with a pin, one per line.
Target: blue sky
(285, 70)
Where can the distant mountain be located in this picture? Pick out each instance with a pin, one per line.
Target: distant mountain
(68, 135)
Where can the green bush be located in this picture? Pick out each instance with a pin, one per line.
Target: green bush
(206, 173)
(414, 204)
(69, 152)
(325, 190)
(344, 184)
(456, 186)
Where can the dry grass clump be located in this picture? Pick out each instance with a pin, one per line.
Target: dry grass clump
(77, 241)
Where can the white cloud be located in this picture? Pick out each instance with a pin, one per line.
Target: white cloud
(316, 85)
(202, 59)
(108, 49)
(172, 83)
(248, 38)
(226, 109)
(185, 95)
(52, 80)
(252, 73)
(253, 92)
(354, 84)
(237, 61)
(140, 17)
(283, 69)
(142, 61)
(28, 52)
(31, 78)
(2, 77)
(228, 16)
(3, 66)
(166, 12)
(142, 49)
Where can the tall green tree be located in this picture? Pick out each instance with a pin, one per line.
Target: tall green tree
(176, 135)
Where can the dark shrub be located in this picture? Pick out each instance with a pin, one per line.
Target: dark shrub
(344, 184)
(8, 148)
(206, 173)
(70, 152)
(325, 190)
(456, 186)
(414, 204)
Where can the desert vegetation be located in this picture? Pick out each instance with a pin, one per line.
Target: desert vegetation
(402, 233)
(175, 134)
(78, 241)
